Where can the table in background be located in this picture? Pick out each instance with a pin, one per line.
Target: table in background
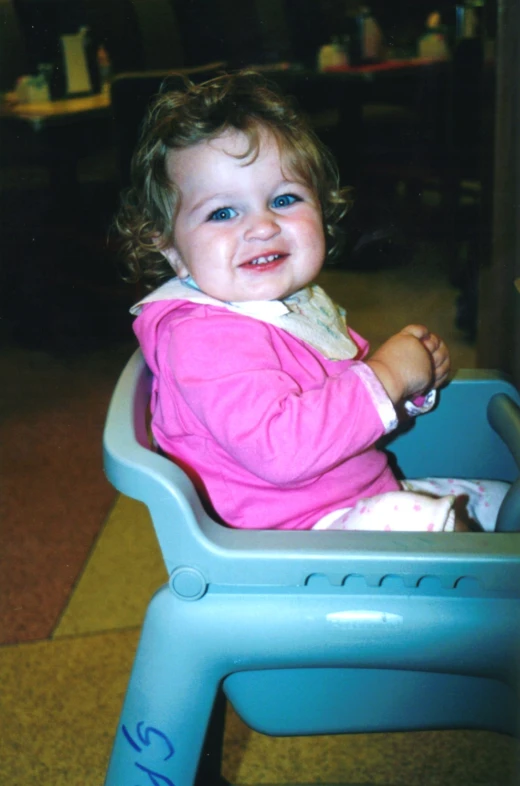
(55, 134)
(389, 103)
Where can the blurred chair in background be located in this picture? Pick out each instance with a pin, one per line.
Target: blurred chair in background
(404, 123)
(332, 103)
(422, 147)
(160, 32)
(116, 26)
(13, 56)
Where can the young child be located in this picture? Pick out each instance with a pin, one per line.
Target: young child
(261, 392)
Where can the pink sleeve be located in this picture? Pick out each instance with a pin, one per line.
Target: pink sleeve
(231, 377)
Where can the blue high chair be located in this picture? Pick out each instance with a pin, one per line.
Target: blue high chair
(321, 632)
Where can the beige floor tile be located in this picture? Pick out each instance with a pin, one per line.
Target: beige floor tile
(60, 705)
(123, 571)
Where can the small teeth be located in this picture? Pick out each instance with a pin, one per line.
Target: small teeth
(264, 260)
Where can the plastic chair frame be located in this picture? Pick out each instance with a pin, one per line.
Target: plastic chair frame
(322, 632)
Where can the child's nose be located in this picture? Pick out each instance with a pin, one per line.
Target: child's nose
(262, 225)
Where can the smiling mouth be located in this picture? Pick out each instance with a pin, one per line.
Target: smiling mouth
(263, 262)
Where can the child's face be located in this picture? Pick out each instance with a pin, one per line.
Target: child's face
(245, 229)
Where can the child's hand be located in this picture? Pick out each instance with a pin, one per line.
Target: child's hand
(405, 364)
(440, 358)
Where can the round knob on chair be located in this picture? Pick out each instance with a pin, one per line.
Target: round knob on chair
(188, 583)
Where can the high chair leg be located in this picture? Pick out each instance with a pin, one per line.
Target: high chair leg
(168, 706)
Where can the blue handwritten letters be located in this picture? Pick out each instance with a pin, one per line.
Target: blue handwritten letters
(148, 739)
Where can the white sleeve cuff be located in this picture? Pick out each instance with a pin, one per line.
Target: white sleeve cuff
(385, 408)
(422, 404)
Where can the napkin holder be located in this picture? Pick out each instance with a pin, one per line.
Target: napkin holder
(78, 78)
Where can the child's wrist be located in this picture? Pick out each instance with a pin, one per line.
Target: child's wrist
(387, 378)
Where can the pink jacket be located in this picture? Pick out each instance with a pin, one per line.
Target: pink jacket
(272, 434)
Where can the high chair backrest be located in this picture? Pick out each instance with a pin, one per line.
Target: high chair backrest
(456, 439)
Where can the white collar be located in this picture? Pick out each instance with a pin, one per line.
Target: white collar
(186, 289)
(308, 314)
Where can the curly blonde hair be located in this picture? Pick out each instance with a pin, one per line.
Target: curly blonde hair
(245, 102)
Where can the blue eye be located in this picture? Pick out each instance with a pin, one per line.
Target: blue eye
(223, 214)
(284, 200)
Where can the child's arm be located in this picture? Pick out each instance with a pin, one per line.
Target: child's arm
(410, 363)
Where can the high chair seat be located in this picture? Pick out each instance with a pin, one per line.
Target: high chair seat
(321, 632)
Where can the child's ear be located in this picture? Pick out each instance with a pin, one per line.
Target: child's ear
(175, 261)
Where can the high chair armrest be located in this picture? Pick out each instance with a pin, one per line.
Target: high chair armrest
(504, 416)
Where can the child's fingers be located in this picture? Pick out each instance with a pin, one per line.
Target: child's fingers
(442, 368)
(437, 348)
(440, 360)
(441, 371)
(440, 381)
(440, 355)
(429, 345)
(419, 331)
(432, 342)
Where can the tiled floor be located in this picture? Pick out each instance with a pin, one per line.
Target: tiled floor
(79, 565)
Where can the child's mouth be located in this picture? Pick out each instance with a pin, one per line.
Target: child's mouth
(263, 263)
